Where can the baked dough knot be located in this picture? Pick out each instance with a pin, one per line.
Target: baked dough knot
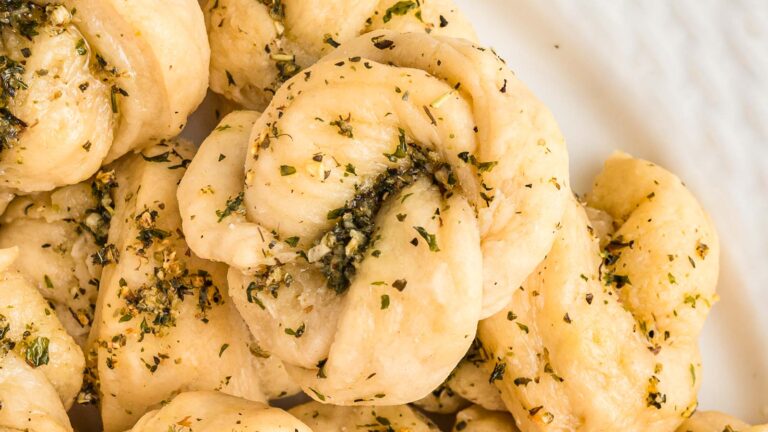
(604, 334)
(390, 197)
(87, 81)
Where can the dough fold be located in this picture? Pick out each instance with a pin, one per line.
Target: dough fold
(467, 384)
(59, 235)
(603, 334)
(258, 45)
(209, 411)
(87, 81)
(714, 421)
(30, 332)
(478, 419)
(330, 418)
(165, 323)
(388, 198)
(30, 403)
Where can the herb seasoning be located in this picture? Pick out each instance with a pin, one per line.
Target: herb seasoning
(400, 8)
(342, 249)
(36, 353)
(11, 82)
(234, 205)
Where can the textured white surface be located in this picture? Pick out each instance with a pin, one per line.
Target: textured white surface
(684, 84)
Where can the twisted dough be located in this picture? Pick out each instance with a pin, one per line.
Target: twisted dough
(209, 411)
(713, 421)
(29, 330)
(468, 383)
(478, 419)
(331, 418)
(59, 235)
(86, 81)
(164, 321)
(589, 344)
(394, 183)
(30, 403)
(258, 45)
(442, 400)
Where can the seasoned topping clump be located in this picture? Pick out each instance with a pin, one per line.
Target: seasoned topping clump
(342, 249)
(10, 82)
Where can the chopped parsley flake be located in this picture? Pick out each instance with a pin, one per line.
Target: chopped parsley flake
(498, 372)
(350, 169)
(616, 280)
(234, 205)
(321, 368)
(399, 284)
(330, 41)
(522, 381)
(344, 126)
(429, 238)
(481, 166)
(81, 48)
(381, 43)
(400, 8)
(36, 353)
(318, 394)
(299, 332)
(223, 348)
(286, 170)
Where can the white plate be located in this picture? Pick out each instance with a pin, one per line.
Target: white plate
(683, 84)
